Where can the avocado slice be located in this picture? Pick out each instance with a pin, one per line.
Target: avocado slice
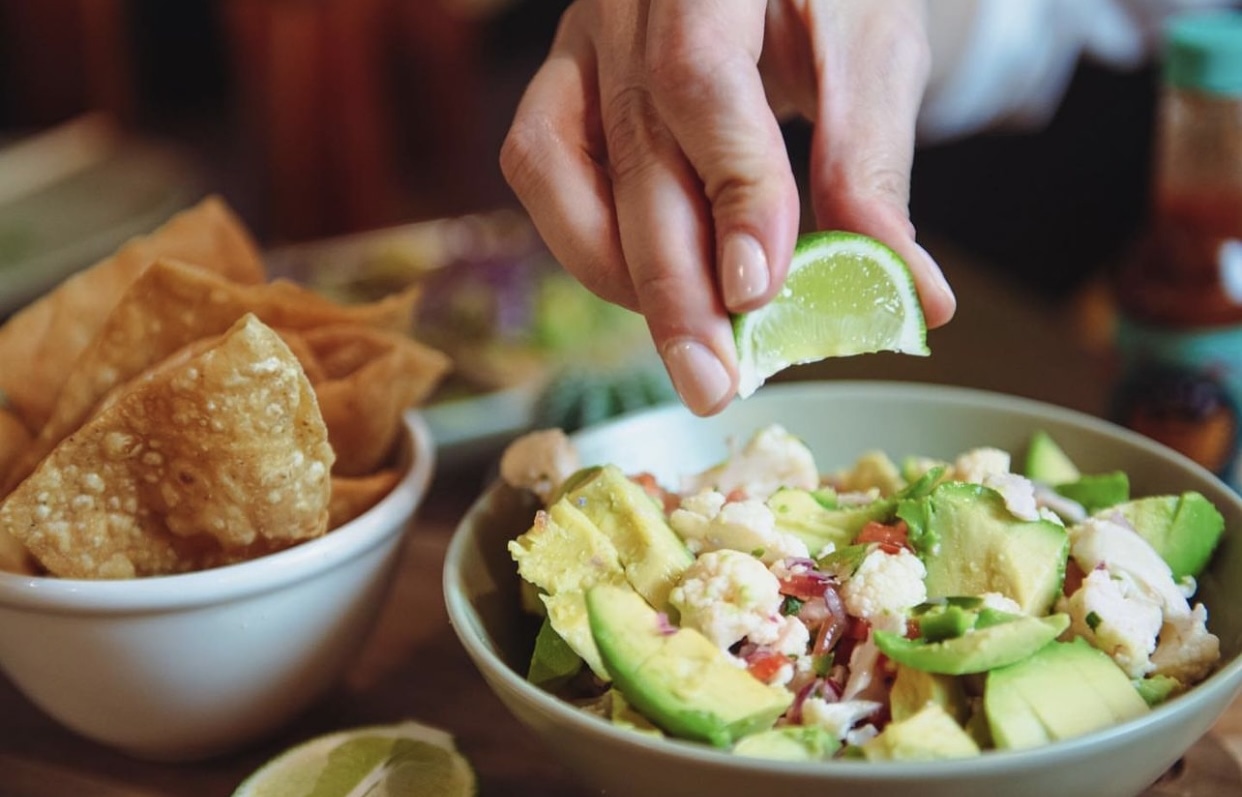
(913, 688)
(1047, 462)
(930, 733)
(1063, 690)
(789, 743)
(800, 513)
(1155, 689)
(553, 661)
(681, 681)
(1184, 529)
(653, 556)
(623, 714)
(562, 554)
(945, 621)
(805, 514)
(1098, 490)
(972, 545)
(984, 647)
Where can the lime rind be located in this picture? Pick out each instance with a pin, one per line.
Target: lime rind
(372, 760)
(845, 294)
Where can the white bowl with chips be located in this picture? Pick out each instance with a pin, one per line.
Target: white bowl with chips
(189, 666)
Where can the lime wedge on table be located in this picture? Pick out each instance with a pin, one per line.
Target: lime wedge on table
(407, 758)
(845, 294)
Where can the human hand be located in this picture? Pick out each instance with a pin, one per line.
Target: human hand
(648, 153)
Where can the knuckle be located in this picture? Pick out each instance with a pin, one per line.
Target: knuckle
(658, 292)
(693, 73)
(523, 151)
(633, 131)
(889, 183)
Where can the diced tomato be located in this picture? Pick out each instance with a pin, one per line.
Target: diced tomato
(892, 537)
(765, 663)
(859, 628)
(804, 584)
(1073, 577)
(652, 487)
(736, 494)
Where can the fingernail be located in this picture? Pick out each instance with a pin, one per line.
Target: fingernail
(699, 377)
(942, 284)
(743, 270)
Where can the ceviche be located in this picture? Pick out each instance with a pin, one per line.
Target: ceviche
(910, 608)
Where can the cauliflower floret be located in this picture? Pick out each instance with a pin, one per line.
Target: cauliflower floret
(979, 463)
(1001, 603)
(707, 522)
(539, 461)
(1118, 617)
(1018, 492)
(838, 717)
(1183, 647)
(770, 460)
(1187, 650)
(729, 596)
(885, 585)
(788, 636)
(1100, 541)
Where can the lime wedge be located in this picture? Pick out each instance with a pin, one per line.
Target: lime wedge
(845, 294)
(406, 758)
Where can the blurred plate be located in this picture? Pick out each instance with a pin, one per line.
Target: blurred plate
(466, 420)
(530, 346)
(54, 230)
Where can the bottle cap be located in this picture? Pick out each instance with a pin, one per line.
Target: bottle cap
(1203, 52)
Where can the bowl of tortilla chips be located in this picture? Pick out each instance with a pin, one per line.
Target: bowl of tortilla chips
(205, 480)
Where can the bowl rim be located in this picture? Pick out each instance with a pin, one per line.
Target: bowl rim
(235, 581)
(1221, 687)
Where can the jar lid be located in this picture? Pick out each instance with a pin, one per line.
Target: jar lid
(1203, 51)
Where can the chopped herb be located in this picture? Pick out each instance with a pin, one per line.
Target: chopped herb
(791, 605)
(1093, 620)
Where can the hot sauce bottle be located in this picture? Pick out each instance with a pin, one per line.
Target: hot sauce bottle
(1180, 297)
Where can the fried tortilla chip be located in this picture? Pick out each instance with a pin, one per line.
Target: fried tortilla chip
(217, 452)
(47, 336)
(14, 440)
(305, 354)
(373, 376)
(353, 495)
(173, 304)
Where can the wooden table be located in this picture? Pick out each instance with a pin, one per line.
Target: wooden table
(413, 666)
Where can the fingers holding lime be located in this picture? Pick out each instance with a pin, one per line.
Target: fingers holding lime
(845, 294)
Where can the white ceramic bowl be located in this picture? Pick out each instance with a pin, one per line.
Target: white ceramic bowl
(839, 421)
(188, 666)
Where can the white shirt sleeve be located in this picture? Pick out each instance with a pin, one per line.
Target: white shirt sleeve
(1007, 63)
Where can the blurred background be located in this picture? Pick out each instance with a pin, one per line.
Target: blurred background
(315, 118)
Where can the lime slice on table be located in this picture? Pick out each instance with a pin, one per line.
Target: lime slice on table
(406, 758)
(845, 294)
